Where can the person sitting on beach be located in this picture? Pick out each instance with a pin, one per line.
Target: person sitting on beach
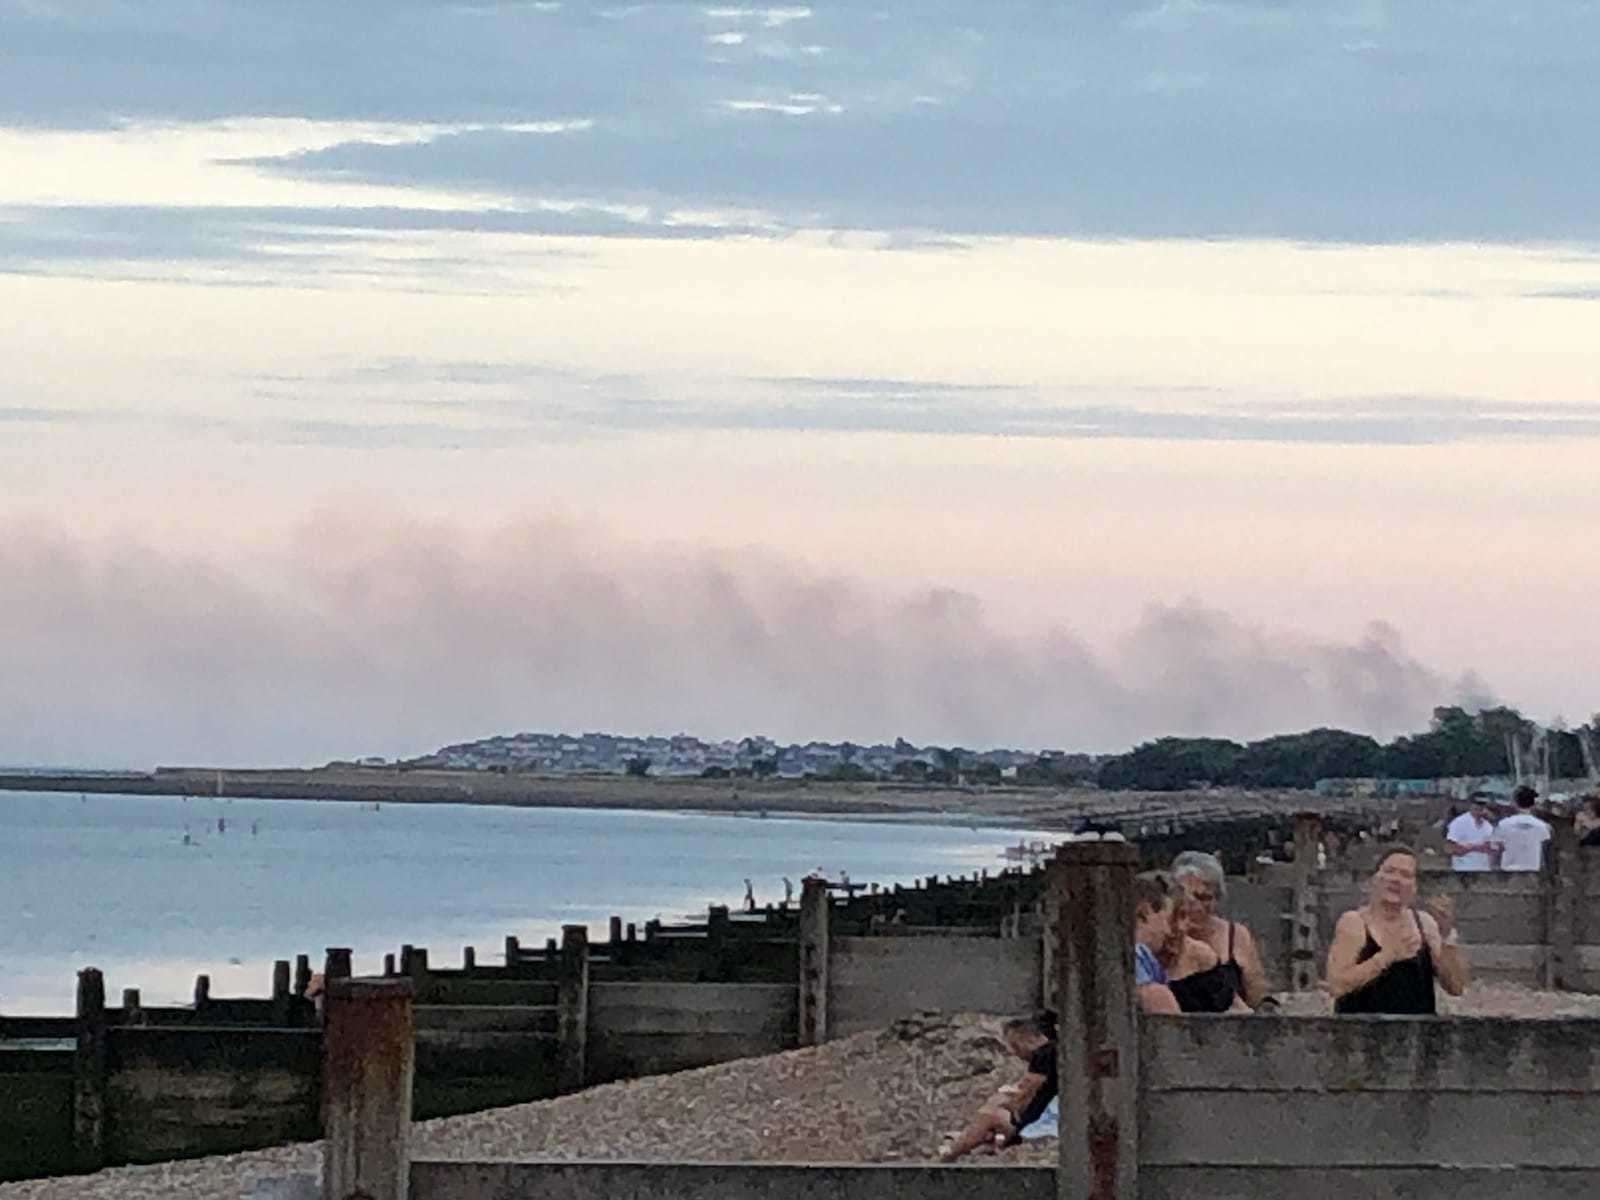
(1200, 981)
(1386, 956)
(1152, 925)
(1023, 1110)
(1205, 885)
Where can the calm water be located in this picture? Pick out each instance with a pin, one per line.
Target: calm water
(107, 881)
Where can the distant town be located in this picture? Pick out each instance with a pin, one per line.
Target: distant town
(683, 755)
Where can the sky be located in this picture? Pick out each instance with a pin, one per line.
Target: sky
(378, 376)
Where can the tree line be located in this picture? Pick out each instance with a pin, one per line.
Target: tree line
(1457, 742)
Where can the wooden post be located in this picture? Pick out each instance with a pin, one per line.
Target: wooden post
(1050, 920)
(419, 974)
(336, 965)
(368, 1060)
(513, 949)
(814, 913)
(614, 934)
(1098, 1051)
(572, 1009)
(406, 953)
(719, 943)
(1564, 887)
(89, 1073)
(302, 974)
(131, 1007)
(469, 958)
(202, 991)
(1303, 924)
(388, 966)
(281, 996)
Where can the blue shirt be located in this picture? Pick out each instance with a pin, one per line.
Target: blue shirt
(1147, 967)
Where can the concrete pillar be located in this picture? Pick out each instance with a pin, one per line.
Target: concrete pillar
(814, 912)
(368, 1062)
(89, 1073)
(572, 1009)
(1098, 1050)
(1304, 921)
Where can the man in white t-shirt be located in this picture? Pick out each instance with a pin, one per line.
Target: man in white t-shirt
(1520, 838)
(1471, 837)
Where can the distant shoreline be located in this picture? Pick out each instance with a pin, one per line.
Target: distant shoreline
(742, 797)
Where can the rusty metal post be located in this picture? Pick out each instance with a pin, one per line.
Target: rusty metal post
(814, 913)
(368, 1059)
(89, 1073)
(572, 1009)
(1098, 1050)
(1303, 928)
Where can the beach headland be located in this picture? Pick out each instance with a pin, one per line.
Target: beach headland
(978, 805)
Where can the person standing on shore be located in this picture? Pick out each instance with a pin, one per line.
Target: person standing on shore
(1386, 956)
(1520, 838)
(1471, 837)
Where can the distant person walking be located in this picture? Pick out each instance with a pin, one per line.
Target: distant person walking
(749, 897)
(1386, 956)
(788, 891)
(1520, 838)
(1471, 837)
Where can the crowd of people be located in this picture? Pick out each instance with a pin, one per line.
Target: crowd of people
(1388, 956)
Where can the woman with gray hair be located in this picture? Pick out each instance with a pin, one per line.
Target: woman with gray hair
(1238, 960)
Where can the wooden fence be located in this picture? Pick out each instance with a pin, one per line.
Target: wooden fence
(1259, 1107)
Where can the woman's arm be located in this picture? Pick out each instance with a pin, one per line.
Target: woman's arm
(1023, 1092)
(1438, 926)
(1345, 974)
(1158, 998)
(1248, 956)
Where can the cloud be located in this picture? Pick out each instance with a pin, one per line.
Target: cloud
(1044, 119)
(368, 632)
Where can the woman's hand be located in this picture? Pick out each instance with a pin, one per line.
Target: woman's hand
(1443, 910)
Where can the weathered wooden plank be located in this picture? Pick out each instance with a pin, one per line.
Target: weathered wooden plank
(442, 1054)
(1368, 1129)
(693, 1008)
(502, 992)
(180, 1048)
(160, 1114)
(1347, 1183)
(1226, 1056)
(627, 1056)
(875, 980)
(35, 1118)
(505, 1018)
(448, 1097)
(724, 1181)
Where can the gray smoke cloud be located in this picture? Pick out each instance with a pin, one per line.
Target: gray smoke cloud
(378, 634)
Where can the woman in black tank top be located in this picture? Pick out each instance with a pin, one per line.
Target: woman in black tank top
(1386, 957)
(1200, 981)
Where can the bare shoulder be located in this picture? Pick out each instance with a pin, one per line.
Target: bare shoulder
(1350, 924)
(1242, 935)
(1430, 927)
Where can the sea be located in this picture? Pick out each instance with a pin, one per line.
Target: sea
(154, 890)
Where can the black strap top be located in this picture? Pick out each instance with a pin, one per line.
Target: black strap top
(1211, 990)
(1404, 989)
